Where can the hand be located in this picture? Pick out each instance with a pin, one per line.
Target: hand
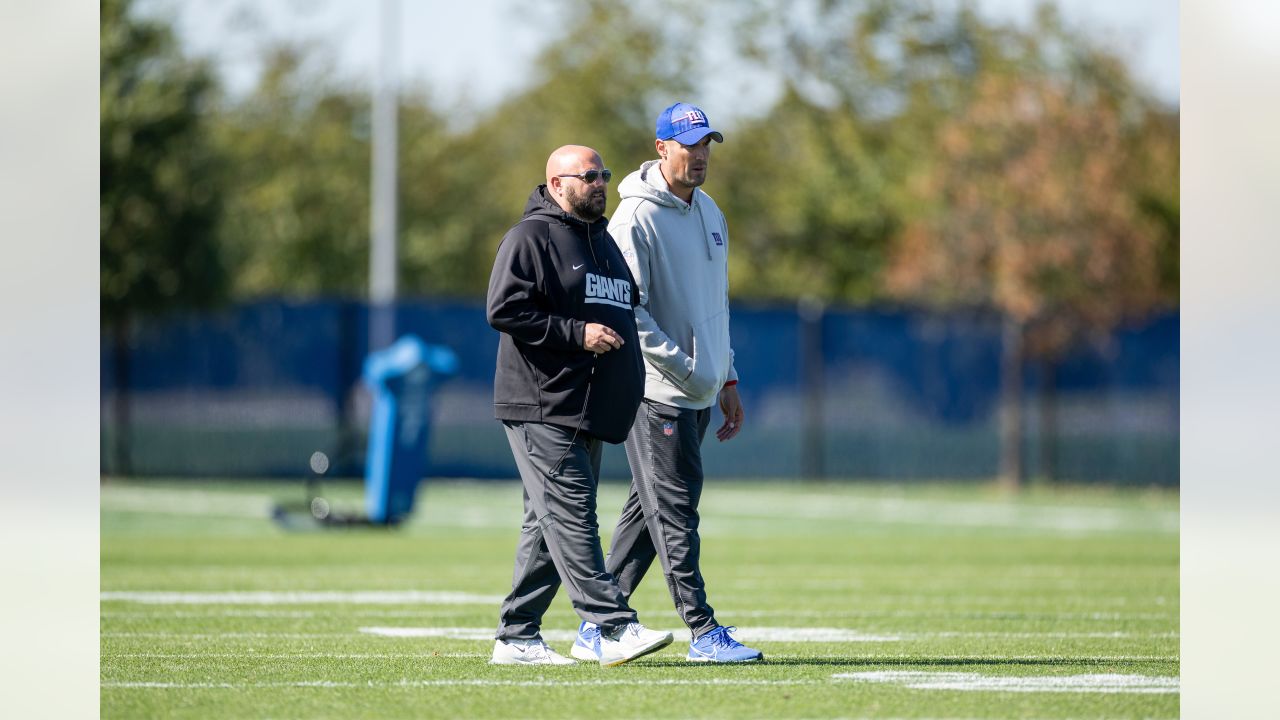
(600, 338)
(731, 406)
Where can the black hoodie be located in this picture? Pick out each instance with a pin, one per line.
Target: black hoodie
(553, 274)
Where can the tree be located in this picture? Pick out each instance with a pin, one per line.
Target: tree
(932, 157)
(1028, 208)
(297, 211)
(1155, 182)
(804, 193)
(816, 185)
(600, 85)
(160, 194)
(297, 199)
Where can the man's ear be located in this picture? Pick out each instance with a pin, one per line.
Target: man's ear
(661, 147)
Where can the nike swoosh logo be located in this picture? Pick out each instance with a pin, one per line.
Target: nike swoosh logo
(575, 267)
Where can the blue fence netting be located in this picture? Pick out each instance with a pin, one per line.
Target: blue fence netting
(254, 390)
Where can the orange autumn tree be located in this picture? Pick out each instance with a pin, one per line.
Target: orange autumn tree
(1027, 207)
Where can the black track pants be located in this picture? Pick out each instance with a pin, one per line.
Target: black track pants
(660, 517)
(560, 536)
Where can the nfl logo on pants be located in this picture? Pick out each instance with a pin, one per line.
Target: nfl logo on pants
(668, 428)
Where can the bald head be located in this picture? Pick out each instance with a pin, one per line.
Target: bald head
(573, 194)
(572, 160)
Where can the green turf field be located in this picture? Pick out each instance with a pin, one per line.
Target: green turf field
(867, 600)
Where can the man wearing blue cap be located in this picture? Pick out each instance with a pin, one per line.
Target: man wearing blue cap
(676, 242)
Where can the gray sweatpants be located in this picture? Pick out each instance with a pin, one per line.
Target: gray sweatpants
(660, 517)
(560, 536)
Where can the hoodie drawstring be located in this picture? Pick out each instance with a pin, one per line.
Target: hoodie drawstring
(706, 234)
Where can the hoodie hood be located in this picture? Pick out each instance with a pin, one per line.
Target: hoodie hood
(647, 183)
(540, 203)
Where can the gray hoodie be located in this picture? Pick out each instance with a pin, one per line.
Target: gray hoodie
(678, 255)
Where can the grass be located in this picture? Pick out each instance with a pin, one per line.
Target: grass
(890, 580)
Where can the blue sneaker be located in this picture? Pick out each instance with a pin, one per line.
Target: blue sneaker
(718, 646)
(587, 646)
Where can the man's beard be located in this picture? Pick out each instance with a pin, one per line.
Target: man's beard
(589, 206)
(692, 181)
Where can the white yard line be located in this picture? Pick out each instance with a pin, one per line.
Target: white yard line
(952, 613)
(542, 682)
(420, 614)
(852, 659)
(772, 634)
(459, 633)
(220, 635)
(251, 655)
(186, 502)
(1065, 635)
(748, 505)
(882, 510)
(152, 614)
(858, 658)
(890, 658)
(745, 634)
(438, 597)
(810, 634)
(1095, 683)
(343, 613)
(915, 680)
(362, 597)
(779, 634)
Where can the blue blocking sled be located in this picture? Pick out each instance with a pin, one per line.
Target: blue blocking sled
(400, 378)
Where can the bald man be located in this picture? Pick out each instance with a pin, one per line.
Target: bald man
(569, 377)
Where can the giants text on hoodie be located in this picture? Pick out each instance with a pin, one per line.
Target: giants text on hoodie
(553, 274)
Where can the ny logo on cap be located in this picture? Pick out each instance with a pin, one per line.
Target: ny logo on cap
(695, 118)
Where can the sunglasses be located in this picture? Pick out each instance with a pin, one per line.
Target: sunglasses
(589, 177)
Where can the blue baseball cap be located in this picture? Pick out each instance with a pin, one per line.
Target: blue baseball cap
(685, 124)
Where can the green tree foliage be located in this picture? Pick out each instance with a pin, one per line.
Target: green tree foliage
(1028, 201)
(824, 193)
(805, 193)
(161, 190)
(960, 165)
(298, 208)
(1155, 180)
(298, 211)
(827, 190)
(598, 86)
(1031, 215)
(816, 187)
(161, 186)
(873, 58)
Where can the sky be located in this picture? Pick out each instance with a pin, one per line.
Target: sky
(472, 54)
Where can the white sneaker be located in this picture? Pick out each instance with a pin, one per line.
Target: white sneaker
(526, 652)
(633, 640)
